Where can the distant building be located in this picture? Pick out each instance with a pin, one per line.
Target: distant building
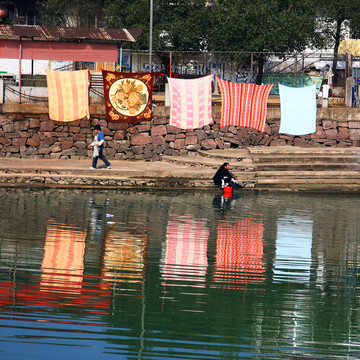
(19, 12)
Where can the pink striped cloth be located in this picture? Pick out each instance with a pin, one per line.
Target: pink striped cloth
(186, 250)
(191, 106)
(68, 94)
(244, 104)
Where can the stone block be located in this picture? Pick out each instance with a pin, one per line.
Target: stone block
(137, 149)
(34, 123)
(160, 121)
(133, 130)
(157, 140)
(159, 149)
(56, 148)
(143, 127)
(354, 124)
(298, 141)
(171, 129)
(208, 144)
(84, 123)
(179, 144)
(19, 141)
(331, 134)
(327, 124)
(354, 134)
(8, 128)
(68, 152)
(21, 125)
(191, 140)
(140, 139)
(158, 130)
(119, 135)
(201, 134)
(278, 142)
(48, 141)
(232, 129)
(47, 126)
(343, 133)
(79, 137)
(74, 129)
(219, 143)
(4, 141)
(180, 136)
(67, 144)
(33, 141)
(195, 147)
(80, 144)
(169, 137)
(113, 126)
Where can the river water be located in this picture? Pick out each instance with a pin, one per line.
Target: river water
(169, 275)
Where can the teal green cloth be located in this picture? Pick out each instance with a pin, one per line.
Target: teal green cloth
(289, 80)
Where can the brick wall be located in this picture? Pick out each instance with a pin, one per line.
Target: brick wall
(28, 133)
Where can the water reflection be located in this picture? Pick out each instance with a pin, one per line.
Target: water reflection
(63, 263)
(239, 253)
(293, 248)
(125, 275)
(185, 258)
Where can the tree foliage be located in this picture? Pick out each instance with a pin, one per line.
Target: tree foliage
(75, 13)
(337, 20)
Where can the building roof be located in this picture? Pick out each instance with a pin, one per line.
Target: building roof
(68, 34)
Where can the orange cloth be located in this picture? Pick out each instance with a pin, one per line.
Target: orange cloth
(68, 94)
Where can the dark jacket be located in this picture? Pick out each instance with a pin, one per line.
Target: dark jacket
(221, 174)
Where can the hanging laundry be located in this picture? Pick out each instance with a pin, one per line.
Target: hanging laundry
(68, 94)
(191, 105)
(244, 104)
(128, 96)
(298, 110)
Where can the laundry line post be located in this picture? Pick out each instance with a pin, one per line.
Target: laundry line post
(20, 56)
(251, 68)
(296, 69)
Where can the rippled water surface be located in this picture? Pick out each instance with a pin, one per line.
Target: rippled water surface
(130, 275)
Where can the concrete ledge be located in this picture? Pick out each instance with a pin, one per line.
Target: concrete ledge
(98, 110)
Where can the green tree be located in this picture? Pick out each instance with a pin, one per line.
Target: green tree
(262, 27)
(74, 13)
(336, 20)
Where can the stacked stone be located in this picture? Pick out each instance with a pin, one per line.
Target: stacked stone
(35, 136)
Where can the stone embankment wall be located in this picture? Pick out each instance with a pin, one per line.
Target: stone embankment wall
(27, 132)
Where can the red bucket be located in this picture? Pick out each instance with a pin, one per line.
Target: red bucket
(228, 191)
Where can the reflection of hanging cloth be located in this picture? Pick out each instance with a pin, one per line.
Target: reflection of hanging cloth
(239, 253)
(63, 262)
(298, 110)
(191, 106)
(68, 94)
(244, 104)
(186, 250)
(293, 248)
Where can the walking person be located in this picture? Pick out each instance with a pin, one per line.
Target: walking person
(98, 145)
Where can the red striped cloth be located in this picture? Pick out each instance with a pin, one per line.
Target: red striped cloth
(239, 253)
(244, 104)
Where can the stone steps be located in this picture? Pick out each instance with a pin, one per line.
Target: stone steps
(210, 162)
(287, 168)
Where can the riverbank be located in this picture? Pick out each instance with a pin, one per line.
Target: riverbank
(295, 169)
